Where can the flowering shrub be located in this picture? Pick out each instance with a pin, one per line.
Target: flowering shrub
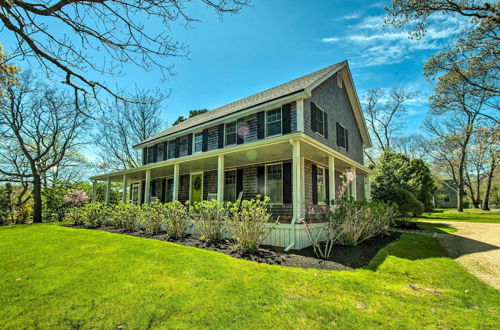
(76, 197)
(249, 223)
(177, 219)
(210, 223)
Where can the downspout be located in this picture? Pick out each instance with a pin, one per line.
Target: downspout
(294, 219)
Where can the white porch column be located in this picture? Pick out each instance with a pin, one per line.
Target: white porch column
(331, 177)
(297, 187)
(220, 178)
(368, 191)
(147, 187)
(175, 196)
(94, 190)
(300, 115)
(354, 183)
(124, 191)
(108, 189)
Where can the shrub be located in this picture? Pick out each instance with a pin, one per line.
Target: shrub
(325, 233)
(210, 223)
(177, 219)
(152, 217)
(249, 224)
(77, 215)
(126, 216)
(408, 205)
(97, 214)
(76, 197)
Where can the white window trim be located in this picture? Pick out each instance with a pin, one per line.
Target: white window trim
(281, 120)
(265, 182)
(194, 142)
(236, 132)
(322, 201)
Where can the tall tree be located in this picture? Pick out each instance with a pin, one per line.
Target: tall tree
(384, 117)
(38, 127)
(192, 113)
(125, 124)
(77, 39)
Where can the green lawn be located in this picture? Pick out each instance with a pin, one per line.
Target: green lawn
(469, 215)
(59, 277)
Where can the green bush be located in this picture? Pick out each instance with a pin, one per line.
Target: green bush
(249, 223)
(408, 204)
(211, 220)
(126, 216)
(177, 219)
(153, 217)
(97, 214)
(77, 215)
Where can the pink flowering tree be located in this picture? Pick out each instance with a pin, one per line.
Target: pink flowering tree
(76, 197)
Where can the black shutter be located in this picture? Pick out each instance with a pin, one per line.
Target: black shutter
(261, 125)
(261, 180)
(239, 181)
(325, 125)
(327, 185)
(177, 147)
(155, 153)
(313, 117)
(164, 190)
(150, 155)
(220, 136)
(190, 144)
(153, 188)
(286, 117)
(287, 183)
(315, 184)
(346, 140)
(144, 156)
(165, 150)
(143, 192)
(204, 143)
(337, 127)
(130, 192)
(239, 138)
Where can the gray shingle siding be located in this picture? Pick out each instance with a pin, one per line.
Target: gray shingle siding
(335, 102)
(213, 138)
(209, 183)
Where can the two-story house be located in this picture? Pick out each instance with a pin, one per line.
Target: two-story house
(291, 143)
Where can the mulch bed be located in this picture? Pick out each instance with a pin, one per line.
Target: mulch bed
(342, 258)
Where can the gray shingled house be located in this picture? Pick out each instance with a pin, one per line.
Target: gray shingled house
(291, 143)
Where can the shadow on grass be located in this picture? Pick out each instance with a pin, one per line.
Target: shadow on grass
(436, 227)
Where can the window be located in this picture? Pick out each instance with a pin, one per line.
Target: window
(230, 186)
(171, 149)
(446, 198)
(342, 138)
(320, 180)
(274, 183)
(273, 122)
(230, 133)
(198, 142)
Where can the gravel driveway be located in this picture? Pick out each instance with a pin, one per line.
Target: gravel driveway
(476, 246)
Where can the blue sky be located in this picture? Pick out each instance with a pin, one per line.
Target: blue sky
(274, 41)
(279, 40)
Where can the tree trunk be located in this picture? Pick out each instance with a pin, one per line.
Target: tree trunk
(486, 201)
(461, 192)
(37, 199)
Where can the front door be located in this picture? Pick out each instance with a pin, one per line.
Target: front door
(196, 188)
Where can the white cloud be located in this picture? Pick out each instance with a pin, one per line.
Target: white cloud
(372, 42)
(347, 17)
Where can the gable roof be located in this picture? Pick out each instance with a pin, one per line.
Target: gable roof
(305, 83)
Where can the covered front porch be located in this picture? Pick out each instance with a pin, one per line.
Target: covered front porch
(294, 169)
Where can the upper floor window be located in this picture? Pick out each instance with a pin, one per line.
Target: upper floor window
(171, 149)
(198, 142)
(273, 124)
(230, 186)
(342, 137)
(274, 183)
(319, 122)
(230, 133)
